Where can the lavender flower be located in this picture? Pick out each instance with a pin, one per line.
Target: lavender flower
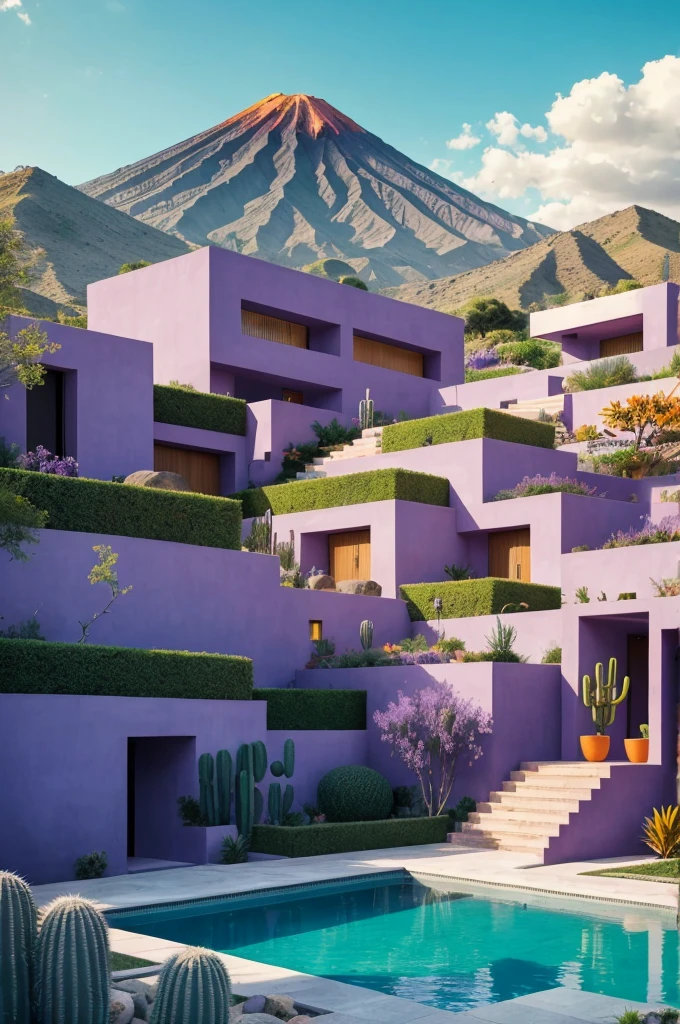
(482, 360)
(665, 530)
(42, 461)
(545, 485)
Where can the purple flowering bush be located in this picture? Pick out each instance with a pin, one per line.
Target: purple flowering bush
(665, 530)
(545, 485)
(429, 732)
(482, 359)
(42, 461)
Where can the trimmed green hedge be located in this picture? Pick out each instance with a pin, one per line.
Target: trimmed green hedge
(199, 409)
(353, 489)
(464, 598)
(36, 666)
(463, 426)
(344, 837)
(96, 506)
(314, 709)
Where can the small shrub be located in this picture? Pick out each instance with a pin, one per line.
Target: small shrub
(42, 461)
(190, 812)
(602, 373)
(539, 484)
(582, 596)
(354, 793)
(667, 529)
(670, 496)
(9, 454)
(358, 659)
(553, 656)
(627, 595)
(235, 851)
(465, 806)
(451, 645)
(413, 644)
(91, 865)
(334, 433)
(19, 520)
(501, 643)
(408, 802)
(661, 832)
(27, 630)
(580, 547)
(587, 432)
(664, 588)
(535, 352)
(459, 572)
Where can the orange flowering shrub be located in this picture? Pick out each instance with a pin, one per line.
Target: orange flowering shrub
(643, 413)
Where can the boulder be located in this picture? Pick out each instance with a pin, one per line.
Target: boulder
(262, 1018)
(301, 1018)
(161, 479)
(236, 1011)
(121, 1007)
(282, 1007)
(367, 587)
(255, 1004)
(321, 582)
(141, 1005)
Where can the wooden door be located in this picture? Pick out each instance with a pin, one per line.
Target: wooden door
(622, 345)
(510, 554)
(349, 555)
(201, 470)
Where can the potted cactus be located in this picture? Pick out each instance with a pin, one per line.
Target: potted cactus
(603, 699)
(637, 750)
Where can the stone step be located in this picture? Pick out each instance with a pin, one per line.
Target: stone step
(521, 800)
(566, 767)
(372, 432)
(536, 780)
(512, 843)
(309, 475)
(498, 812)
(559, 793)
(535, 829)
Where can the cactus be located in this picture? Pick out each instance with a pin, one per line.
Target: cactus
(222, 797)
(193, 986)
(260, 537)
(259, 760)
(258, 805)
(277, 769)
(17, 948)
(288, 796)
(72, 964)
(246, 809)
(602, 698)
(366, 634)
(288, 758)
(366, 411)
(274, 803)
(206, 772)
(244, 762)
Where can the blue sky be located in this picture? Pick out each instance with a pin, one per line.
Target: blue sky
(94, 84)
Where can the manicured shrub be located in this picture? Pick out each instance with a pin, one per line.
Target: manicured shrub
(37, 666)
(313, 709)
(471, 376)
(354, 793)
(97, 506)
(487, 596)
(344, 837)
(463, 426)
(353, 489)
(198, 409)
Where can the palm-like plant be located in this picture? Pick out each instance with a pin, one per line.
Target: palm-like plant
(662, 831)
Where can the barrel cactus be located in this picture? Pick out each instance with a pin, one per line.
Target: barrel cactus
(366, 634)
(193, 988)
(17, 948)
(354, 793)
(72, 964)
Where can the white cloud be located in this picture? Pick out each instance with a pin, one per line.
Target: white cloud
(466, 140)
(507, 129)
(619, 145)
(9, 5)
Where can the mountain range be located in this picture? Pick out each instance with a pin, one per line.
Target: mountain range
(293, 180)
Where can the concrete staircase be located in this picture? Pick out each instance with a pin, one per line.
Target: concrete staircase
(531, 807)
(531, 409)
(369, 443)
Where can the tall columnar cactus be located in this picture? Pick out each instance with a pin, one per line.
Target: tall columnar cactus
(193, 988)
(223, 774)
(366, 411)
(246, 810)
(602, 697)
(275, 803)
(366, 634)
(206, 774)
(17, 949)
(259, 760)
(288, 758)
(287, 803)
(72, 968)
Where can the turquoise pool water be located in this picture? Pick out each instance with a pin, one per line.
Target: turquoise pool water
(452, 950)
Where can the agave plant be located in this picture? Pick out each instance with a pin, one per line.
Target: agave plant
(662, 831)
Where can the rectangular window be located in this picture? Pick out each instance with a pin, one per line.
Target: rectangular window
(389, 357)
(315, 629)
(296, 397)
(622, 345)
(271, 328)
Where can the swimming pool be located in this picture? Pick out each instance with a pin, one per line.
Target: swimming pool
(453, 950)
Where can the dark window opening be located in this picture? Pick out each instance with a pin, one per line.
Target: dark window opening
(45, 414)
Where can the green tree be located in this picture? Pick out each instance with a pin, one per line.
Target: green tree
(18, 522)
(487, 314)
(354, 282)
(17, 261)
(137, 265)
(20, 356)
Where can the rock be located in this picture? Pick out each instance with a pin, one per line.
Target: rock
(321, 582)
(122, 1009)
(261, 1018)
(151, 991)
(255, 1004)
(236, 1011)
(282, 1007)
(162, 479)
(301, 1018)
(369, 588)
(131, 985)
(141, 1005)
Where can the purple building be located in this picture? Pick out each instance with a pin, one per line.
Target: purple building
(104, 772)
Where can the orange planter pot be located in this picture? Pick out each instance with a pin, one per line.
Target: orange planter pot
(595, 748)
(637, 751)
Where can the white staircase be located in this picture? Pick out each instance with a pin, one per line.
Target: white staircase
(532, 805)
(369, 443)
(531, 409)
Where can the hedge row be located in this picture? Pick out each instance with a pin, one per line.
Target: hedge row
(464, 426)
(314, 709)
(95, 506)
(37, 666)
(199, 409)
(344, 837)
(463, 598)
(353, 489)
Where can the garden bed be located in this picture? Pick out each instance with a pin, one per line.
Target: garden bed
(198, 409)
(488, 596)
(346, 837)
(464, 426)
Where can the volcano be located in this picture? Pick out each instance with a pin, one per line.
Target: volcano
(294, 181)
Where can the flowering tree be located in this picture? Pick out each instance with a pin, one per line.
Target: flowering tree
(429, 732)
(643, 413)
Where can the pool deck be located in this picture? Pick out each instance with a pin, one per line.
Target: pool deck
(350, 1004)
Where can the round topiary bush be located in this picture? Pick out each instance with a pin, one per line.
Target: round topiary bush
(354, 793)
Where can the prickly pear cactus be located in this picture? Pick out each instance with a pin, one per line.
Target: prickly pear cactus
(72, 964)
(259, 760)
(193, 988)
(17, 949)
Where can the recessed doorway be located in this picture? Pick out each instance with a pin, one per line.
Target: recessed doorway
(349, 555)
(510, 554)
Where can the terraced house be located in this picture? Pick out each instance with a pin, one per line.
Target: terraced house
(415, 527)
